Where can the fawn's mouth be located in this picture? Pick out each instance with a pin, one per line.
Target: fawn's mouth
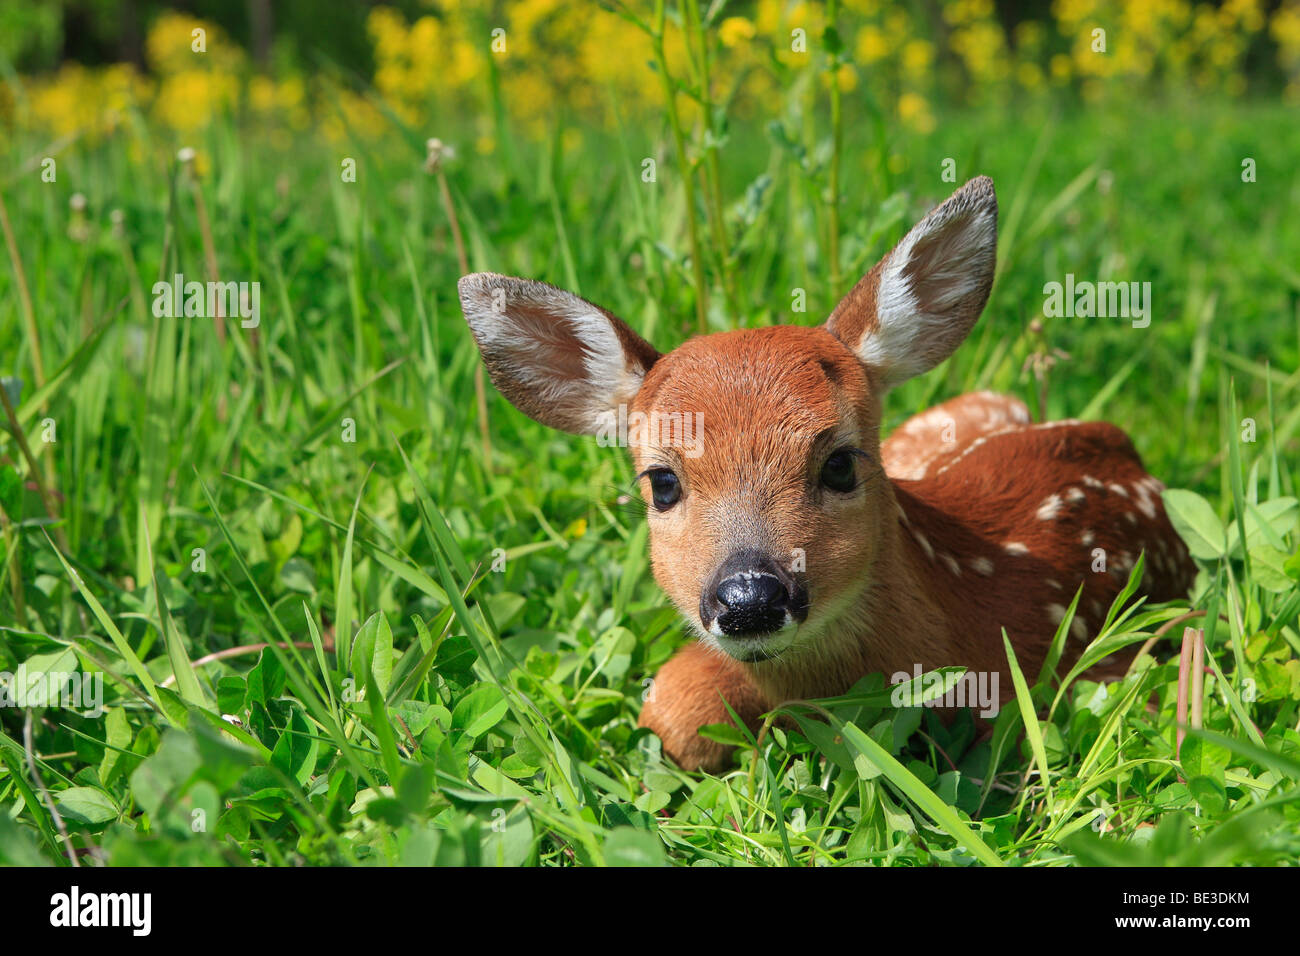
(757, 648)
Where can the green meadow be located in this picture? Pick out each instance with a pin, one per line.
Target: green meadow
(337, 615)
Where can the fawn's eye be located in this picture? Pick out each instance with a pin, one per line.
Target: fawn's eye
(665, 489)
(838, 473)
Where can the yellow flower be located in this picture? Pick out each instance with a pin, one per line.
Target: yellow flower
(846, 76)
(918, 56)
(177, 43)
(1285, 31)
(736, 30)
(914, 111)
(871, 45)
(1245, 12)
(349, 117)
(81, 101)
(280, 102)
(1029, 75)
(387, 29)
(201, 165)
(1070, 13)
(768, 15)
(190, 99)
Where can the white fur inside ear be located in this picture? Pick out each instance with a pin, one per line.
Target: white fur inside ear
(933, 287)
(551, 353)
(608, 371)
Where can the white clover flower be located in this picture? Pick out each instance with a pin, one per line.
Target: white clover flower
(439, 153)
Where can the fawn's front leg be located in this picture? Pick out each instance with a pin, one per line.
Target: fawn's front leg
(687, 693)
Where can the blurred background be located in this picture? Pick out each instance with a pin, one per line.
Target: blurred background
(85, 63)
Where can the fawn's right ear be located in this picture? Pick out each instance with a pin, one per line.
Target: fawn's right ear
(559, 359)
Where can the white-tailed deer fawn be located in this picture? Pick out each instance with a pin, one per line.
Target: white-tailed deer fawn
(804, 552)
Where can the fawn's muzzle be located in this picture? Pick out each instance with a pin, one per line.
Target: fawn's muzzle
(751, 595)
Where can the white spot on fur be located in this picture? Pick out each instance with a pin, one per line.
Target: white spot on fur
(1015, 547)
(1012, 429)
(1086, 539)
(976, 444)
(982, 566)
(1050, 508)
(1144, 501)
(924, 543)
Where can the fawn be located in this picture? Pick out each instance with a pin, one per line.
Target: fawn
(803, 551)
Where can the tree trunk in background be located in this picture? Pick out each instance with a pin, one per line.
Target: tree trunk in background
(259, 25)
(130, 45)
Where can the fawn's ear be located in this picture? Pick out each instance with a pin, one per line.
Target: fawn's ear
(559, 359)
(920, 301)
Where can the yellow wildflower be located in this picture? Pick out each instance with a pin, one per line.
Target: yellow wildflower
(736, 30)
(914, 112)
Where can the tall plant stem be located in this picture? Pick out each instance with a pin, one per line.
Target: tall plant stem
(29, 320)
(47, 496)
(837, 139)
(713, 168)
(24, 296)
(688, 182)
(209, 251)
(12, 542)
(480, 386)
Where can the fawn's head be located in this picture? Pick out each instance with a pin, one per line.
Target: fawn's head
(758, 451)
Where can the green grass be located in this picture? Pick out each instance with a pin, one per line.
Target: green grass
(504, 615)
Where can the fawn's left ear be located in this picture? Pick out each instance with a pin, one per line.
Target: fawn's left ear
(559, 359)
(920, 301)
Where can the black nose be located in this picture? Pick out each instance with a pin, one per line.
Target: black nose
(753, 603)
(752, 595)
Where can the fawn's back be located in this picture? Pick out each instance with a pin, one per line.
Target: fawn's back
(1015, 517)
